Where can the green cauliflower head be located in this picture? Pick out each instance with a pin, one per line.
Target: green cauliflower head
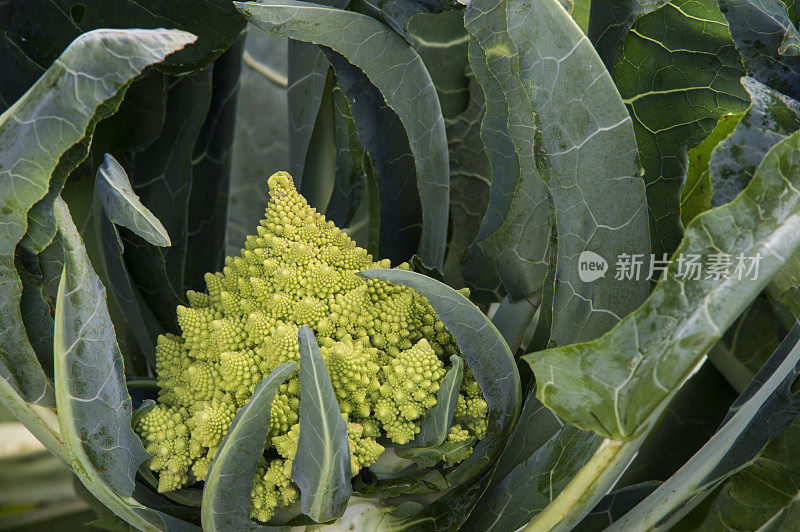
(383, 346)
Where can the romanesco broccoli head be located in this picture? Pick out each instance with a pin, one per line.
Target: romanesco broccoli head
(383, 346)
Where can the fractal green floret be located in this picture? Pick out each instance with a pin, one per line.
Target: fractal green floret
(383, 345)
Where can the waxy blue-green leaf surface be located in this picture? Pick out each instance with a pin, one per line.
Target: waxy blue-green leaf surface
(382, 134)
(614, 385)
(321, 467)
(94, 408)
(573, 135)
(610, 21)
(399, 73)
(767, 41)
(226, 493)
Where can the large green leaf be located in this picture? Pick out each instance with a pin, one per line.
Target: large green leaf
(763, 411)
(321, 468)
(398, 14)
(748, 343)
(94, 408)
(398, 72)
(578, 137)
(770, 118)
(679, 53)
(784, 291)
(93, 404)
(39, 132)
(211, 171)
(762, 496)
(690, 420)
(162, 176)
(36, 307)
(513, 241)
(260, 147)
(614, 385)
(615, 505)
(767, 41)
(226, 493)
(486, 355)
(441, 41)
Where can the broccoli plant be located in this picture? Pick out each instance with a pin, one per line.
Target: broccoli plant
(483, 265)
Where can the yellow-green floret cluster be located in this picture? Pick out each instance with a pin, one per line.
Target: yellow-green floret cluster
(383, 346)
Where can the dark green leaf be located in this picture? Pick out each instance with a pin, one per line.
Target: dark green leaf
(398, 72)
(319, 170)
(430, 482)
(351, 172)
(433, 429)
(226, 494)
(688, 422)
(763, 411)
(541, 457)
(381, 132)
(614, 385)
(321, 468)
(43, 28)
(426, 457)
(260, 147)
(784, 292)
(615, 505)
(398, 13)
(761, 496)
(211, 171)
(163, 181)
(514, 320)
(568, 120)
(449, 511)
(679, 53)
(470, 182)
(486, 355)
(122, 206)
(138, 316)
(770, 118)
(36, 307)
(441, 41)
(513, 241)
(610, 21)
(308, 70)
(767, 41)
(748, 343)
